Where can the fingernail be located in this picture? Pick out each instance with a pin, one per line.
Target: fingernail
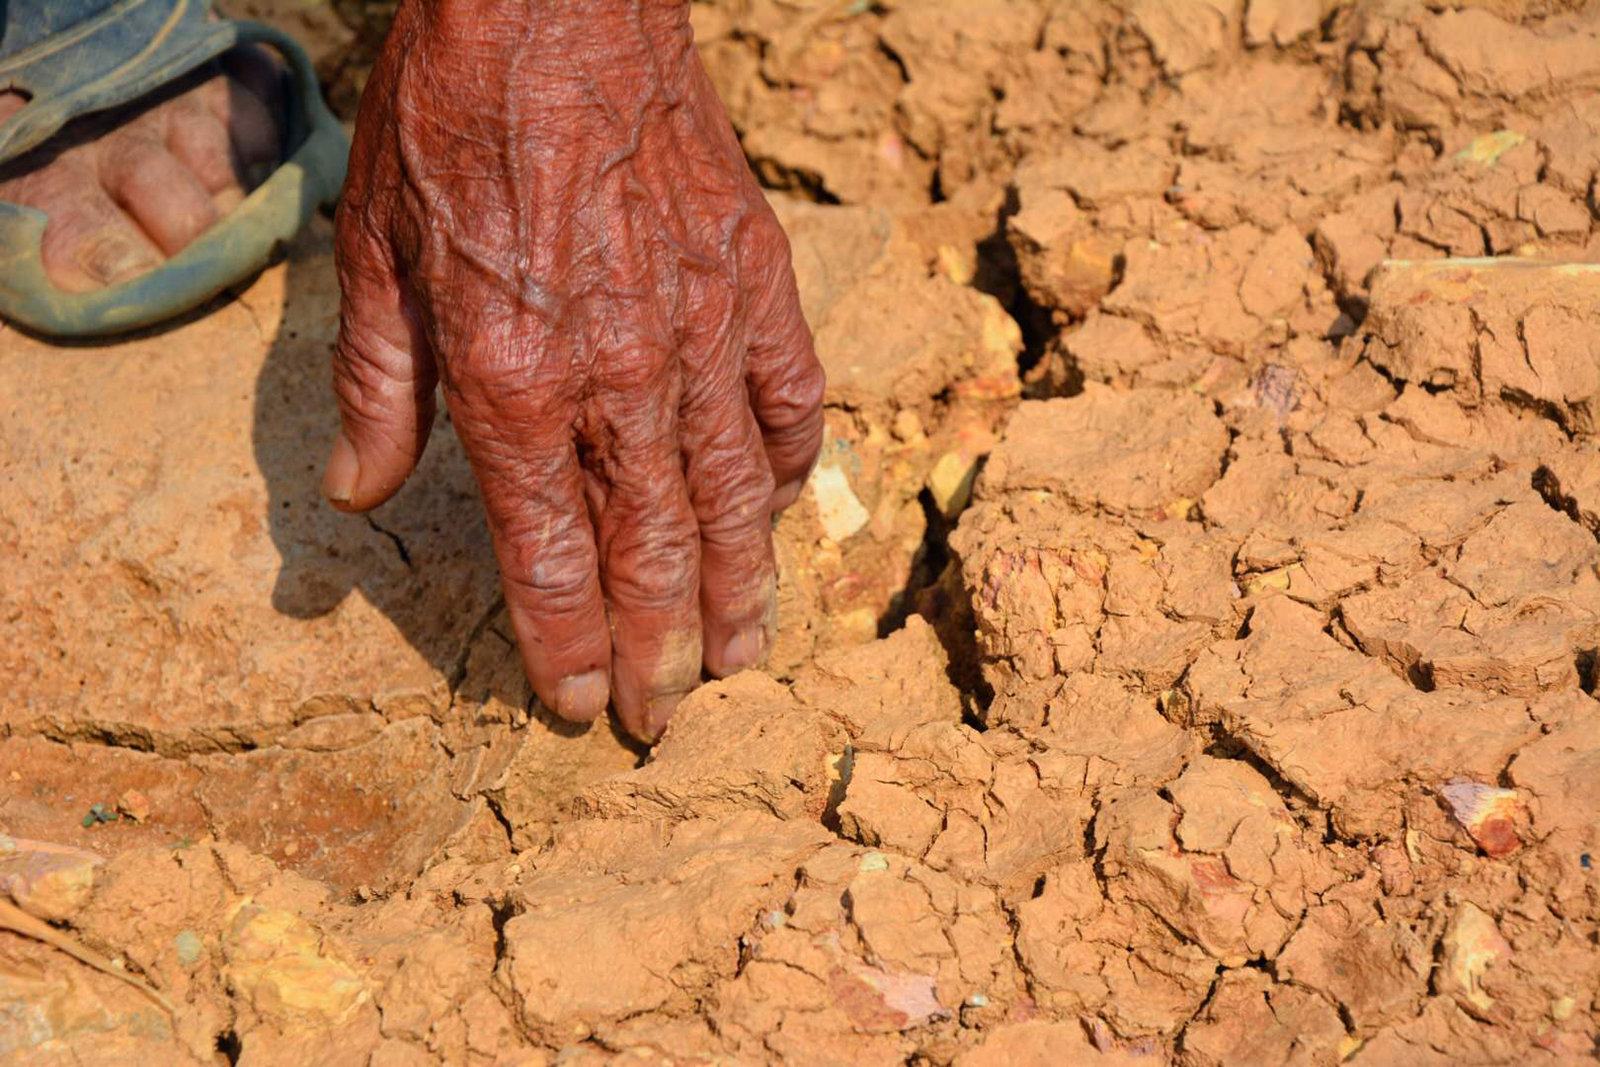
(743, 649)
(785, 495)
(343, 471)
(583, 697)
(657, 712)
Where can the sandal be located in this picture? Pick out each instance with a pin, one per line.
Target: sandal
(80, 56)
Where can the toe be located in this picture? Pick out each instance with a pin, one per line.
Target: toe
(89, 242)
(113, 253)
(158, 192)
(151, 180)
(260, 72)
(248, 107)
(11, 102)
(199, 140)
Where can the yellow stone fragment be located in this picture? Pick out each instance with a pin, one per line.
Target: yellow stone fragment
(955, 266)
(279, 962)
(1489, 147)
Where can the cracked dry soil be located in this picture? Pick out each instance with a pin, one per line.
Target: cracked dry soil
(1189, 634)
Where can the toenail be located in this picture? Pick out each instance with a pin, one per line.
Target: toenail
(744, 649)
(112, 257)
(343, 471)
(583, 697)
(657, 711)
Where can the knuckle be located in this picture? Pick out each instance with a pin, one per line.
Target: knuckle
(550, 592)
(370, 362)
(133, 155)
(777, 291)
(718, 399)
(807, 388)
(794, 400)
(382, 400)
(766, 243)
(654, 565)
(369, 410)
(636, 370)
(708, 299)
(521, 440)
(549, 571)
(735, 499)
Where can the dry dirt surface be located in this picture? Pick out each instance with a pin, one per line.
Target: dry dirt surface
(1190, 631)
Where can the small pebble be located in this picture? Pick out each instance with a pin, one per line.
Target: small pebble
(135, 805)
(189, 947)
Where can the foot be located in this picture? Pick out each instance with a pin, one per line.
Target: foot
(125, 190)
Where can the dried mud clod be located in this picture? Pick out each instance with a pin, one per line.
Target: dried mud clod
(1251, 720)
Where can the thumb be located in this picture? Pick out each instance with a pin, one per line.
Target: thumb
(383, 378)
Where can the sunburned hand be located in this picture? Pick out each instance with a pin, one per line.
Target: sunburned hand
(548, 212)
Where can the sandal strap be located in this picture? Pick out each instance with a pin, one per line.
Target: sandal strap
(107, 58)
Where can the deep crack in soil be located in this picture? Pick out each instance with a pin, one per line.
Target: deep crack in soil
(1188, 634)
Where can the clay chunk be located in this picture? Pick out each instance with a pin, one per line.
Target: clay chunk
(1503, 331)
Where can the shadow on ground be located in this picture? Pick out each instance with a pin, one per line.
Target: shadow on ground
(423, 559)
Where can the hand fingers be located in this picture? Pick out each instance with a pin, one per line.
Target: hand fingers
(533, 492)
(383, 376)
(649, 540)
(730, 485)
(786, 379)
(732, 495)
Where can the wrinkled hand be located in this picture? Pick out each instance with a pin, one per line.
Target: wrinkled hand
(548, 212)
